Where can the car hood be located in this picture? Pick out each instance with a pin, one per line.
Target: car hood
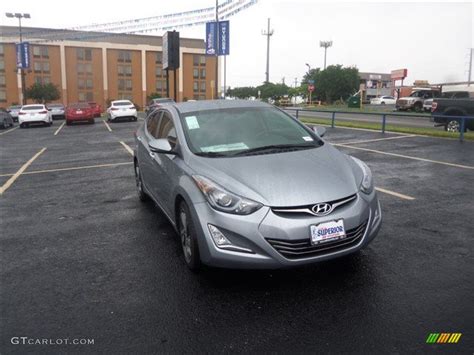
(284, 179)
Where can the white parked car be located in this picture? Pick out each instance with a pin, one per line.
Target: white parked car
(122, 109)
(383, 100)
(32, 114)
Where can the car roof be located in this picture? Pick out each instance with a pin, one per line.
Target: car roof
(203, 105)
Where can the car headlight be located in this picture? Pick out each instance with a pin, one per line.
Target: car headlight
(223, 200)
(367, 183)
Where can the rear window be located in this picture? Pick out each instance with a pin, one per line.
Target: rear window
(15, 107)
(79, 105)
(36, 107)
(122, 103)
(55, 105)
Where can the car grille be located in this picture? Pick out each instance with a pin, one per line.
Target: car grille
(402, 102)
(302, 248)
(291, 212)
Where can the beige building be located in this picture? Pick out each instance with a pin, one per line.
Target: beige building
(100, 67)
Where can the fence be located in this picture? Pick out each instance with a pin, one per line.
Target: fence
(462, 120)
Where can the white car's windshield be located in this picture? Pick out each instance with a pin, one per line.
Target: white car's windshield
(243, 129)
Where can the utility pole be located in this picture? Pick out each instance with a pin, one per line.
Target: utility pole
(216, 85)
(470, 68)
(268, 33)
(296, 82)
(325, 45)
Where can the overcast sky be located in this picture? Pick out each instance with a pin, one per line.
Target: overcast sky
(431, 39)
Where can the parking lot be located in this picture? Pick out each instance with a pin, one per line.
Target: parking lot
(82, 257)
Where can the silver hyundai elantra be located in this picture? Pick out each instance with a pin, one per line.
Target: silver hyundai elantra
(246, 185)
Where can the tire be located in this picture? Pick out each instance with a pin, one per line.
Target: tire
(22, 125)
(92, 121)
(188, 238)
(4, 124)
(68, 123)
(138, 181)
(453, 126)
(418, 107)
(382, 103)
(135, 119)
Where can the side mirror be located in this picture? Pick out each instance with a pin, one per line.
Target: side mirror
(320, 131)
(161, 146)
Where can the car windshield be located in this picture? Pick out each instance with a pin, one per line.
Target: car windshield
(122, 103)
(226, 132)
(35, 107)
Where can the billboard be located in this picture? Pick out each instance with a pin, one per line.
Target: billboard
(399, 74)
(224, 38)
(217, 38)
(23, 55)
(170, 45)
(211, 38)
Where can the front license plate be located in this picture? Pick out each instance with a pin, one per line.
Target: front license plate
(327, 231)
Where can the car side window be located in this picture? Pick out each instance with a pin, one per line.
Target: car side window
(167, 129)
(152, 123)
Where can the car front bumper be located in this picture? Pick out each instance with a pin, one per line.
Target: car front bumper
(255, 232)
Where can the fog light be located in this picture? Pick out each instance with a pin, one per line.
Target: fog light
(218, 237)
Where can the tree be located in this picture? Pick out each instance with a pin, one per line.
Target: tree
(244, 92)
(272, 91)
(153, 95)
(334, 83)
(43, 93)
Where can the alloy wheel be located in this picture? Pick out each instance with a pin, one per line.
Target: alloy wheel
(185, 237)
(453, 126)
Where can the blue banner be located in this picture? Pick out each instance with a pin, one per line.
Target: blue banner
(23, 55)
(224, 38)
(211, 38)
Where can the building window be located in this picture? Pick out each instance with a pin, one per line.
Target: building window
(125, 84)
(203, 86)
(160, 85)
(124, 70)
(202, 60)
(158, 72)
(41, 67)
(3, 96)
(2, 81)
(158, 58)
(84, 84)
(86, 96)
(125, 56)
(203, 73)
(196, 86)
(84, 54)
(2, 50)
(195, 60)
(125, 96)
(2, 66)
(84, 68)
(40, 52)
(195, 73)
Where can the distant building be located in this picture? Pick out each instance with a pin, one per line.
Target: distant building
(94, 66)
(376, 84)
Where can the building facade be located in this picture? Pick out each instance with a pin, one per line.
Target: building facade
(102, 67)
(376, 84)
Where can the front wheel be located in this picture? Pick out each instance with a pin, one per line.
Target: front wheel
(453, 126)
(4, 124)
(188, 237)
(138, 180)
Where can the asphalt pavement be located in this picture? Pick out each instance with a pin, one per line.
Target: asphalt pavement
(83, 258)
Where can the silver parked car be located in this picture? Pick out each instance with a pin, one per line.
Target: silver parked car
(13, 111)
(6, 120)
(57, 110)
(246, 185)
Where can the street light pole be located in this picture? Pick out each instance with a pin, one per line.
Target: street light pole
(325, 45)
(19, 16)
(268, 33)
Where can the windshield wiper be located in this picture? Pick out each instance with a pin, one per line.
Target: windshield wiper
(210, 154)
(275, 147)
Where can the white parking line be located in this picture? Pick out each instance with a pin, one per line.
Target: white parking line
(107, 125)
(70, 169)
(11, 129)
(406, 156)
(127, 147)
(59, 128)
(396, 194)
(141, 118)
(378, 139)
(19, 172)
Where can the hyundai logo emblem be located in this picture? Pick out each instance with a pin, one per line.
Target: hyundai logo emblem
(322, 209)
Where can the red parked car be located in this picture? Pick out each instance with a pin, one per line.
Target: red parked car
(79, 112)
(96, 108)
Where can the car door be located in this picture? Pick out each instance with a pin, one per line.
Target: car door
(165, 171)
(145, 155)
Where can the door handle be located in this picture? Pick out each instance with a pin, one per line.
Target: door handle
(152, 154)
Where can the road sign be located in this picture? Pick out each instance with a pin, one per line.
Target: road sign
(399, 74)
(23, 55)
(170, 47)
(311, 87)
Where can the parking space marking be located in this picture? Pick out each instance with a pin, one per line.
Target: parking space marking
(11, 129)
(127, 147)
(19, 172)
(406, 156)
(71, 169)
(59, 128)
(141, 118)
(107, 125)
(378, 139)
(396, 194)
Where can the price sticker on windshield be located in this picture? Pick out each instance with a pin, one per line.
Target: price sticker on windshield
(192, 122)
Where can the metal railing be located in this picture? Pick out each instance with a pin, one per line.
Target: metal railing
(383, 115)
